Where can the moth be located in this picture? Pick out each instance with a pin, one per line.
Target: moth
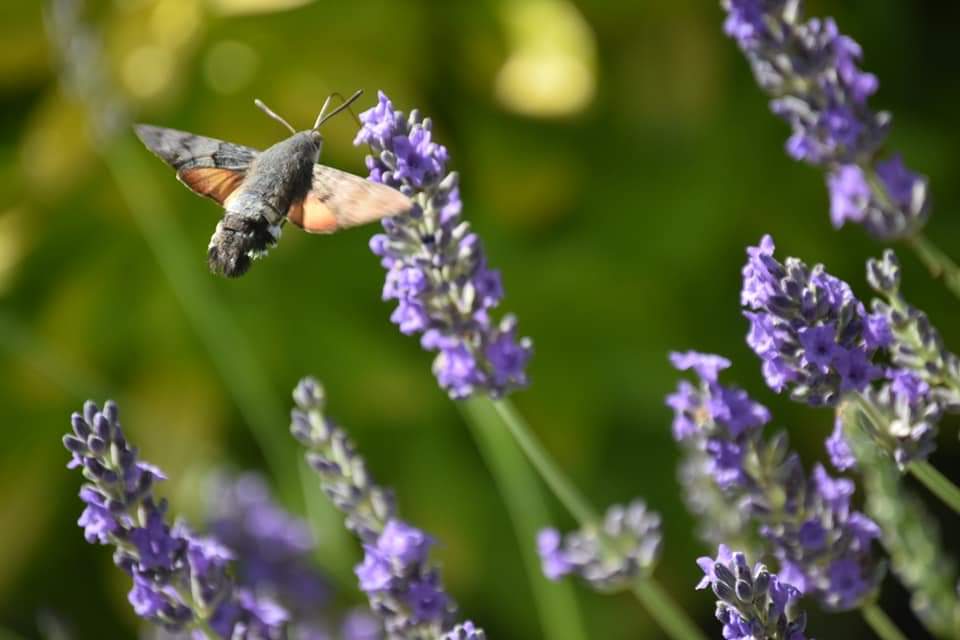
(260, 190)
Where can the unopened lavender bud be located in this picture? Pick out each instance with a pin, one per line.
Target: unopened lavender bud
(884, 275)
(90, 410)
(79, 426)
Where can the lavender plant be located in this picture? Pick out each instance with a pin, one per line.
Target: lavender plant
(397, 575)
(181, 581)
(823, 546)
(810, 70)
(436, 267)
(752, 604)
(610, 557)
(813, 336)
(926, 371)
(817, 342)
(438, 273)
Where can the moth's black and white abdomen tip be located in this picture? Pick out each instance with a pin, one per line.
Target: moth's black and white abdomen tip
(237, 241)
(227, 261)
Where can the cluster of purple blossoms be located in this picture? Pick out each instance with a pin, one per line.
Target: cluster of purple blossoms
(610, 557)
(752, 604)
(401, 583)
(810, 69)
(274, 552)
(916, 345)
(180, 581)
(813, 335)
(436, 268)
(718, 420)
(403, 586)
(901, 414)
(823, 546)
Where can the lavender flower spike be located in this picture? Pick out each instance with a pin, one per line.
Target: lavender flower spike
(180, 581)
(824, 547)
(752, 604)
(436, 268)
(401, 582)
(609, 558)
(814, 337)
(810, 70)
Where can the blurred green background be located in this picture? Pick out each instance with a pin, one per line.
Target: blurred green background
(615, 157)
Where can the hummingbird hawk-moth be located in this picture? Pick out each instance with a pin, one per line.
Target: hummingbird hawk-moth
(261, 190)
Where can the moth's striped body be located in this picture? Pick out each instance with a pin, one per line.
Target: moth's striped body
(261, 190)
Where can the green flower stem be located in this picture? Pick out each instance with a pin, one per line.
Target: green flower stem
(937, 262)
(665, 611)
(557, 606)
(501, 413)
(572, 500)
(910, 535)
(938, 484)
(881, 624)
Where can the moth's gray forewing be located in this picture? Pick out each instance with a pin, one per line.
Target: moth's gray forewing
(209, 167)
(339, 200)
(182, 150)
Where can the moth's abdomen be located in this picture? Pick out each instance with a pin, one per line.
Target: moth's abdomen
(237, 241)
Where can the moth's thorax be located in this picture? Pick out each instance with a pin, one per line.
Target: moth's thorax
(278, 177)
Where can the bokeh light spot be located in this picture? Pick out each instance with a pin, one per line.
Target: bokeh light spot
(230, 66)
(148, 71)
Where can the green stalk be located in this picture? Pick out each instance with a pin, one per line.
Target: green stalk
(881, 624)
(937, 262)
(498, 414)
(559, 484)
(557, 606)
(938, 484)
(909, 533)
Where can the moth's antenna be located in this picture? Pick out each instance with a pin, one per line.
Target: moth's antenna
(267, 110)
(324, 116)
(337, 94)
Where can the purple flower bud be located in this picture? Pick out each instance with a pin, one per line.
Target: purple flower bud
(753, 603)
